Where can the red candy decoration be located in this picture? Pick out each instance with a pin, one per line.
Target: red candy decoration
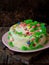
(34, 44)
(30, 33)
(32, 39)
(27, 33)
(38, 24)
(22, 24)
(33, 26)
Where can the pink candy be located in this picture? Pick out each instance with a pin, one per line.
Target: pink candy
(32, 39)
(38, 24)
(11, 39)
(30, 33)
(22, 24)
(33, 26)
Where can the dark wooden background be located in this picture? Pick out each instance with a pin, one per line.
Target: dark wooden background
(12, 11)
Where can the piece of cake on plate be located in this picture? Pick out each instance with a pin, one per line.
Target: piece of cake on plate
(27, 35)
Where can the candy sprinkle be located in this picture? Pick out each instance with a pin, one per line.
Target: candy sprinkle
(30, 33)
(38, 25)
(25, 29)
(32, 39)
(28, 42)
(27, 33)
(34, 44)
(11, 39)
(33, 26)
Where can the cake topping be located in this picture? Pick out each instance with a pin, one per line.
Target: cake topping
(34, 44)
(22, 24)
(28, 21)
(40, 30)
(11, 44)
(28, 42)
(35, 23)
(33, 26)
(28, 27)
(30, 33)
(11, 39)
(9, 33)
(38, 24)
(27, 33)
(32, 39)
(25, 29)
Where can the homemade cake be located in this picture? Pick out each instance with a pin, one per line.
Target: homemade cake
(27, 35)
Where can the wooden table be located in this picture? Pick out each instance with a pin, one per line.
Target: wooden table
(9, 57)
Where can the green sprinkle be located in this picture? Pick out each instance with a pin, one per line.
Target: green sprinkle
(37, 34)
(41, 36)
(37, 39)
(32, 30)
(11, 44)
(40, 46)
(24, 48)
(28, 21)
(9, 33)
(8, 37)
(31, 24)
(43, 28)
(36, 28)
(19, 33)
(16, 32)
(34, 48)
(35, 22)
(31, 44)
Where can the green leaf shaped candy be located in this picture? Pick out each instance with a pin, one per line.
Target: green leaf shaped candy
(43, 28)
(31, 44)
(37, 34)
(8, 36)
(35, 22)
(32, 30)
(24, 48)
(11, 44)
(37, 39)
(28, 21)
(9, 33)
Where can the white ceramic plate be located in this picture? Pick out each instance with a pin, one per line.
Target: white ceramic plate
(5, 42)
